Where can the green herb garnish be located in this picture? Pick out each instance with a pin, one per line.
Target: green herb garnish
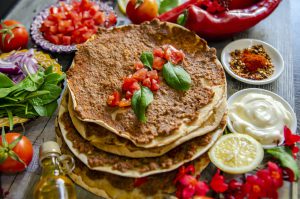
(139, 102)
(147, 59)
(176, 77)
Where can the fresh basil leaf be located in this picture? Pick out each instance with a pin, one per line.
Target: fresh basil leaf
(147, 59)
(5, 82)
(176, 77)
(140, 101)
(166, 5)
(182, 18)
(286, 159)
(46, 110)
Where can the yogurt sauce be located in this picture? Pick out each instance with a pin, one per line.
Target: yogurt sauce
(261, 117)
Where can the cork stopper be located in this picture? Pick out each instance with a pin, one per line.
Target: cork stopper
(48, 148)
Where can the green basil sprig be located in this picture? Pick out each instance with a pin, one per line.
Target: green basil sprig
(139, 102)
(284, 155)
(176, 77)
(147, 59)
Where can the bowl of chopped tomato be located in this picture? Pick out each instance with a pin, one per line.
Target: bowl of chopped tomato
(60, 27)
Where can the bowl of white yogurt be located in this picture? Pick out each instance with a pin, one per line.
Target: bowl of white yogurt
(261, 114)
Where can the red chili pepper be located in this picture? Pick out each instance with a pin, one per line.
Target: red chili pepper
(225, 24)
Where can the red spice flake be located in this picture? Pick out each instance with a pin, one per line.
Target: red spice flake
(252, 63)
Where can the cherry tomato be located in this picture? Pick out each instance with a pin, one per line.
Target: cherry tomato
(23, 149)
(14, 35)
(139, 11)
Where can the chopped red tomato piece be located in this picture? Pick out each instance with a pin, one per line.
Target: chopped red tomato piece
(152, 74)
(112, 19)
(140, 75)
(138, 65)
(66, 40)
(147, 82)
(52, 38)
(125, 103)
(128, 94)
(127, 82)
(172, 54)
(158, 52)
(114, 99)
(53, 10)
(99, 18)
(158, 63)
(154, 85)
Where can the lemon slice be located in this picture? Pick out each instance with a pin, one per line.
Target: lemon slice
(236, 153)
(122, 5)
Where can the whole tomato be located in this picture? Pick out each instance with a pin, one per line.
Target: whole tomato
(13, 36)
(22, 151)
(139, 11)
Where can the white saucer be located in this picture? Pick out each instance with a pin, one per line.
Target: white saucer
(236, 96)
(275, 56)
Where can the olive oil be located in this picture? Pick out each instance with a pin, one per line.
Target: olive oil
(53, 183)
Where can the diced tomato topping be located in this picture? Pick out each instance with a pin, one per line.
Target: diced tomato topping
(138, 65)
(52, 38)
(79, 20)
(152, 74)
(125, 103)
(48, 23)
(154, 85)
(127, 83)
(114, 99)
(172, 54)
(90, 23)
(128, 94)
(147, 82)
(66, 40)
(158, 63)
(112, 19)
(99, 18)
(140, 75)
(158, 52)
(53, 10)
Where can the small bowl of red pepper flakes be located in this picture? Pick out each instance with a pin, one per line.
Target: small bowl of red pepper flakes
(252, 61)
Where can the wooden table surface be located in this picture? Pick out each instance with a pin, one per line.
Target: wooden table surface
(281, 30)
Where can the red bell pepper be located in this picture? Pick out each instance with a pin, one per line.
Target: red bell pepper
(225, 24)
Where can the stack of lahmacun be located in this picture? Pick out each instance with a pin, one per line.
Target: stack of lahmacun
(114, 152)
